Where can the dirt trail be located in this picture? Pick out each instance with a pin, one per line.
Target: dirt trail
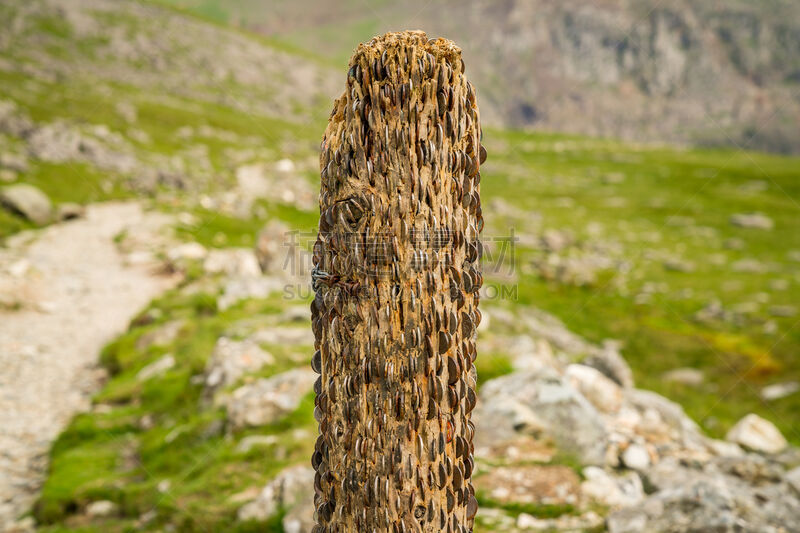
(70, 291)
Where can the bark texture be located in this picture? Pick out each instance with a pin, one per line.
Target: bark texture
(396, 278)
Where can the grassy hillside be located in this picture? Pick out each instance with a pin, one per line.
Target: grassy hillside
(621, 241)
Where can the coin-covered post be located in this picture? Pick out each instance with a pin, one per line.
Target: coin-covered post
(396, 277)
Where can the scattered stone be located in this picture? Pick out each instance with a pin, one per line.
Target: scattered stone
(783, 311)
(232, 359)
(268, 400)
(70, 211)
(252, 441)
(556, 240)
(587, 521)
(752, 266)
(779, 390)
(232, 262)
(156, 368)
(613, 491)
(636, 457)
(7, 176)
(273, 245)
(187, 251)
(101, 509)
(610, 362)
(678, 265)
(542, 403)
(292, 487)
(28, 201)
(162, 335)
(13, 162)
(793, 478)
(531, 484)
(692, 377)
(757, 434)
(285, 336)
(753, 220)
(734, 243)
(605, 394)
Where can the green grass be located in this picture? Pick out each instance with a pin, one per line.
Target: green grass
(113, 454)
(652, 186)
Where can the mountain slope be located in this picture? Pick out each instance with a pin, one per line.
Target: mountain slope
(687, 71)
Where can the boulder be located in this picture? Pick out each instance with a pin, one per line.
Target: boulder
(272, 245)
(601, 391)
(543, 403)
(70, 211)
(232, 359)
(691, 377)
(269, 400)
(156, 368)
(28, 201)
(757, 434)
(292, 489)
(752, 220)
(611, 490)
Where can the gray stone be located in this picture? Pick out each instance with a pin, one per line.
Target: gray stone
(156, 368)
(685, 376)
(601, 391)
(777, 391)
(610, 362)
(28, 201)
(101, 509)
(783, 310)
(231, 360)
(70, 211)
(291, 488)
(545, 399)
(636, 457)
(757, 434)
(269, 400)
(273, 246)
(793, 478)
(753, 220)
(612, 490)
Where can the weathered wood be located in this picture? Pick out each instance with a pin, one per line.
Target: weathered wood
(396, 276)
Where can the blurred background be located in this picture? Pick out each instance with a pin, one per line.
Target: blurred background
(638, 358)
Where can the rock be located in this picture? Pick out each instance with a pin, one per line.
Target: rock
(757, 434)
(187, 251)
(101, 509)
(156, 368)
(232, 359)
(531, 484)
(588, 521)
(273, 245)
(556, 240)
(793, 478)
(754, 220)
(13, 162)
(604, 394)
(685, 376)
(238, 289)
(656, 410)
(749, 265)
(542, 403)
(636, 457)
(162, 335)
(783, 310)
(292, 487)
(70, 211)
(232, 262)
(7, 176)
(779, 390)
(28, 201)
(610, 362)
(251, 441)
(269, 400)
(613, 491)
(283, 335)
(678, 265)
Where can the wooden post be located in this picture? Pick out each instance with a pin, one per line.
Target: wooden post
(396, 279)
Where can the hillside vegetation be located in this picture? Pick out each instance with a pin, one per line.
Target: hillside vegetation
(675, 257)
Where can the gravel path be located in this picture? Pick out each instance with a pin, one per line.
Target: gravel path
(75, 293)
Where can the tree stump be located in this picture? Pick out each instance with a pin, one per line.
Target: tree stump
(396, 278)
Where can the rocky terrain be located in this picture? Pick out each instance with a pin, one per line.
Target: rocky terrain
(688, 71)
(158, 197)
